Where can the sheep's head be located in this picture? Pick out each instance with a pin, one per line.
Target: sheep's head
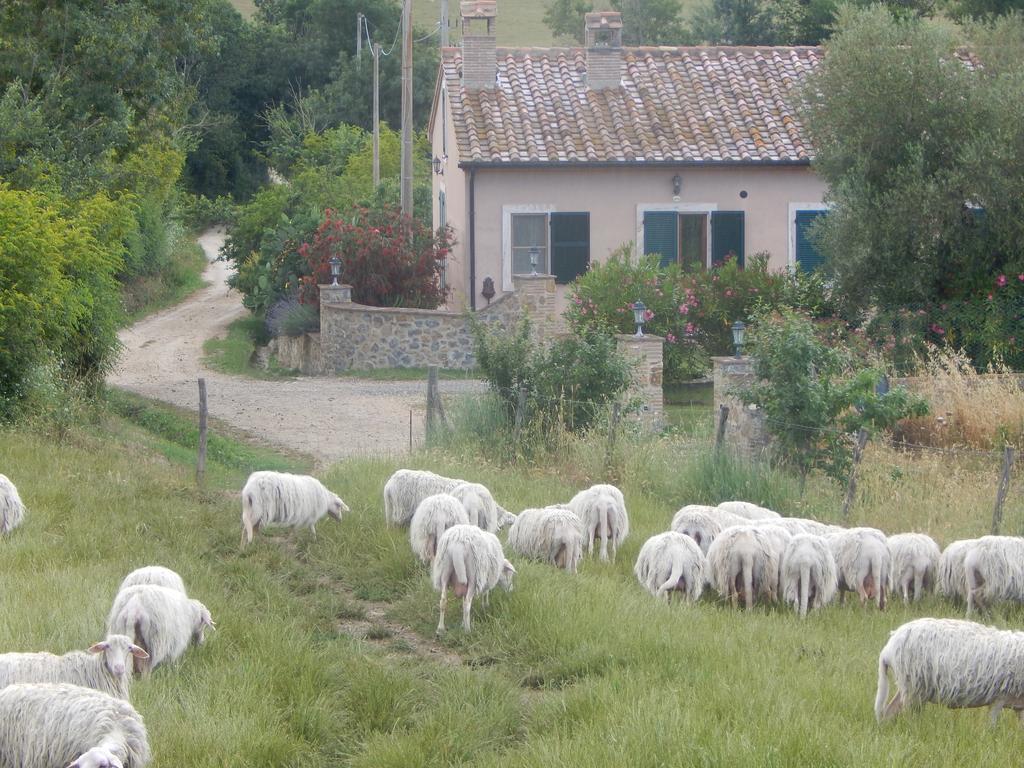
(97, 757)
(115, 650)
(336, 507)
(202, 620)
(507, 572)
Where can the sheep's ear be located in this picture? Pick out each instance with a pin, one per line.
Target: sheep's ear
(509, 567)
(137, 652)
(99, 647)
(208, 620)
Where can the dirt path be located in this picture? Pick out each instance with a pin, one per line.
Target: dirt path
(326, 417)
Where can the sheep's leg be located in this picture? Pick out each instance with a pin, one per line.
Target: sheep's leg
(993, 716)
(444, 605)
(312, 530)
(615, 549)
(467, 606)
(247, 531)
(590, 543)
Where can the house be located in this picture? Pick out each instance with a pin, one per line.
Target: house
(566, 154)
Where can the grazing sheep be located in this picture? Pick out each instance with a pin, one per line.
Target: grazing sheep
(797, 525)
(12, 511)
(743, 564)
(778, 539)
(862, 563)
(602, 510)
(952, 662)
(669, 564)
(471, 562)
(103, 668)
(162, 621)
(479, 504)
(406, 488)
(45, 725)
(809, 578)
(700, 523)
(156, 575)
(552, 534)
(748, 510)
(913, 560)
(505, 518)
(434, 515)
(994, 569)
(951, 578)
(283, 499)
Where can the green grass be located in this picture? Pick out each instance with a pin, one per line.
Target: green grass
(182, 276)
(564, 671)
(233, 353)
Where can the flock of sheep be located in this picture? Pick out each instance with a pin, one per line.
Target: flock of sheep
(73, 710)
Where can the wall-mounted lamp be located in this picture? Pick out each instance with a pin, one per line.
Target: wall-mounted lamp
(488, 289)
(438, 169)
(677, 186)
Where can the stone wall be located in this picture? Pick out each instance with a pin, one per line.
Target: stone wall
(298, 353)
(646, 353)
(745, 431)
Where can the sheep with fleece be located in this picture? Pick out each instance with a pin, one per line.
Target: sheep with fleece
(862, 563)
(670, 564)
(479, 504)
(434, 515)
(550, 534)
(602, 510)
(743, 564)
(12, 510)
(45, 725)
(284, 499)
(914, 558)
(104, 667)
(953, 662)
(471, 562)
(156, 575)
(951, 580)
(162, 621)
(702, 524)
(809, 578)
(994, 570)
(406, 488)
(748, 510)
(778, 539)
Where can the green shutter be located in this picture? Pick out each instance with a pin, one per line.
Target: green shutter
(661, 235)
(726, 235)
(570, 245)
(808, 258)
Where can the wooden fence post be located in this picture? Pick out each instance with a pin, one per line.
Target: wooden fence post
(435, 408)
(201, 459)
(851, 487)
(723, 417)
(613, 427)
(520, 413)
(1002, 489)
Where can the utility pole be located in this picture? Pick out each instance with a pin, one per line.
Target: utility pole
(376, 114)
(407, 108)
(359, 41)
(444, 23)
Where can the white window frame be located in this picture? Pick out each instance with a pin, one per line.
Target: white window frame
(507, 211)
(444, 122)
(642, 208)
(793, 209)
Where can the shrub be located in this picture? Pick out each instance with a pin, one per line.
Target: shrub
(290, 317)
(811, 396)
(388, 259)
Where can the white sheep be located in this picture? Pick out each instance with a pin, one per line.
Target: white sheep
(951, 580)
(797, 525)
(434, 515)
(862, 563)
(45, 725)
(283, 499)
(743, 564)
(809, 578)
(551, 534)
(470, 561)
(479, 504)
(406, 488)
(914, 558)
(777, 539)
(156, 575)
(700, 523)
(748, 510)
(994, 570)
(670, 564)
(162, 621)
(505, 518)
(12, 510)
(602, 510)
(104, 667)
(952, 662)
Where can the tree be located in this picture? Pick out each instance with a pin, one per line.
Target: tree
(565, 18)
(644, 22)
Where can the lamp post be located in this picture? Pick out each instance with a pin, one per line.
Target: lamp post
(737, 337)
(638, 316)
(335, 263)
(534, 259)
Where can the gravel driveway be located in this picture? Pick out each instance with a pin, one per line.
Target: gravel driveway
(326, 417)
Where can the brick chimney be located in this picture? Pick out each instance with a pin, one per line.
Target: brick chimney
(604, 49)
(479, 46)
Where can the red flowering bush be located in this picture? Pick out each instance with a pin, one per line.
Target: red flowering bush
(389, 260)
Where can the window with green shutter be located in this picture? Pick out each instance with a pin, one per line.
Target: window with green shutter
(570, 245)
(661, 235)
(808, 258)
(727, 236)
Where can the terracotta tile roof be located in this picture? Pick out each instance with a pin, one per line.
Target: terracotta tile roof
(687, 104)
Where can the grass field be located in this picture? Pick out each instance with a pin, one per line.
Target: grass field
(324, 652)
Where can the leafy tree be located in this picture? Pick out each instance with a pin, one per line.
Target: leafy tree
(644, 22)
(565, 18)
(981, 8)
